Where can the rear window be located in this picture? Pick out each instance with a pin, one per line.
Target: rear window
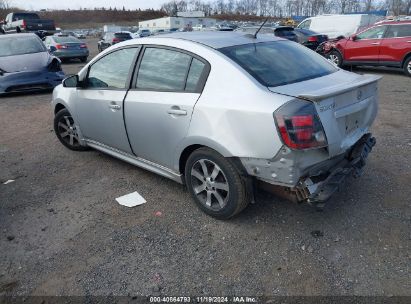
(284, 32)
(10, 46)
(25, 17)
(122, 35)
(280, 62)
(306, 32)
(66, 39)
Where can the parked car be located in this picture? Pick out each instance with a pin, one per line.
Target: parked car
(110, 39)
(25, 65)
(79, 35)
(28, 23)
(286, 32)
(67, 47)
(144, 33)
(309, 38)
(386, 44)
(288, 119)
(338, 25)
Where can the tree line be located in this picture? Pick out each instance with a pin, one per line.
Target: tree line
(285, 8)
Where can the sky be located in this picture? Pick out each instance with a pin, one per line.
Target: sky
(76, 4)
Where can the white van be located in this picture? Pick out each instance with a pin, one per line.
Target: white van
(338, 25)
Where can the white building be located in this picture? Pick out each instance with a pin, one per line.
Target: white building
(168, 23)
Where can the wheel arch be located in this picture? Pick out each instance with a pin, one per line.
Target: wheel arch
(190, 145)
(406, 57)
(58, 107)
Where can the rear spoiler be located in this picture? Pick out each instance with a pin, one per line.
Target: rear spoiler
(339, 88)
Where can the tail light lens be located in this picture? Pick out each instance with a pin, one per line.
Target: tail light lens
(312, 39)
(115, 40)
(24, 24)
(61, 46)
(299, 125)
(83, 46)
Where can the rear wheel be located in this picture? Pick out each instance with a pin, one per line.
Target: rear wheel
(215, 184)
(83, 59)
(335, 58)
(407, 67)
(66, 131)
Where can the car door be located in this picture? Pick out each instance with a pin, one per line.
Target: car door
(396, 44)
(365, 46)
(99, 103)
(7, 26)
(158, 108)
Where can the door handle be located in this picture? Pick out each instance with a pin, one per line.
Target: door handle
(114, 106)
(409, 41)
(375, 43)
(175, 110)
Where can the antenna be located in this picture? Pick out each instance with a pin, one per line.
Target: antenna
(255, 35)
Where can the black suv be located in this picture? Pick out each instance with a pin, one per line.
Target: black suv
(110, 39)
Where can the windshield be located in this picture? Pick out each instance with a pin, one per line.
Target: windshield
(69, 39)
(10, 46)
(279, 62)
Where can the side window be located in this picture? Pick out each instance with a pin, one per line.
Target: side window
(397, 31)
(163, 70)
(373, 33)
(194, 75)
(112, 70)
(305, 25)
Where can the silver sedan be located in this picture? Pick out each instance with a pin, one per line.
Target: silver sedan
(224, 113)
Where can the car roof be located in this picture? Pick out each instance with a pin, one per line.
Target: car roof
(218, 39)
(395, 22)
(22, 35)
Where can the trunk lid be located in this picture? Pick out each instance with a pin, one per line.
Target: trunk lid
(345, 102)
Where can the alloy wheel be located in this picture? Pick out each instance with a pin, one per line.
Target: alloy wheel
(210, 184)
(67, 131)
(334, 59)
(409, 67)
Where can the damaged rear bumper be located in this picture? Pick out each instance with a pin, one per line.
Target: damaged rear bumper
(318, 189)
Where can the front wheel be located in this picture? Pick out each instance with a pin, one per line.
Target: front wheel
(216, 184)
(66, 131)
(335, 58)
(407, 67)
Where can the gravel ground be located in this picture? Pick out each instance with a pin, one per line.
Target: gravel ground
(63, 233)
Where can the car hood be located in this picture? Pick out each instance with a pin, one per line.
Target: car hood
(26, 62)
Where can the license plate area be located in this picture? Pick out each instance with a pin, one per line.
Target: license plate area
(353, 122)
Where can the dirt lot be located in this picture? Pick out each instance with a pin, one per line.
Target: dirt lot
(63, 233)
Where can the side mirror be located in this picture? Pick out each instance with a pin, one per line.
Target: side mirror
(52, 48)
(72, 82)
(354, 37)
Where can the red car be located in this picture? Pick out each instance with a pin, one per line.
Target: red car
(385, 44)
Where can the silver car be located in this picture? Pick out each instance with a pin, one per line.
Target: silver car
(223, 113)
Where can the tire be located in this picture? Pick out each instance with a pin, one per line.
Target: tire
(83, 59)
(407, 67)
(66, 131)
(99, 49)
(221, 192)
(335, 58)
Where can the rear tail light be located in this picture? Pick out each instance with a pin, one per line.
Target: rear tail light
(83, 46)
(115, 40)
(61, 46)
(24, 24)
(312, 39)
(299, 125)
